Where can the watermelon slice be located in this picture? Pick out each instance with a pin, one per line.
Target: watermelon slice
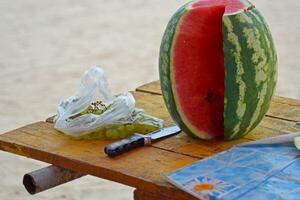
(203, 75)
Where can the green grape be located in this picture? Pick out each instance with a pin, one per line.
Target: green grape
(122, 135)
(92, 109)
(144, 128)
(109, 133)
(118, 132)
(115, 134)
(112, 133)
(120, 128)
(122, 131)
(98, 134)
(99, 112)
(129, 127)
(86, 111)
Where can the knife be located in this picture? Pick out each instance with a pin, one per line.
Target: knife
(139, 140)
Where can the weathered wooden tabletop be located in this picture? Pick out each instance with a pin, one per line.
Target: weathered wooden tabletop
(141, 168)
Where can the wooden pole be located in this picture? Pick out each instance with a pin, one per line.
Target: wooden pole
(48, 177)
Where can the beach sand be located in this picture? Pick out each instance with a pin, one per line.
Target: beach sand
(47, 45)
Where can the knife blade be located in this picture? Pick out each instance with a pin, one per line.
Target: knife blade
(139, 140)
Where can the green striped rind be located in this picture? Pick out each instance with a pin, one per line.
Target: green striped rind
(165, 67)
(251, 71)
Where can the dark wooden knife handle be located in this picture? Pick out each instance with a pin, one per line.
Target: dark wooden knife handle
(124, 145)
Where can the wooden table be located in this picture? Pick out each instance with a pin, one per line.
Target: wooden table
(141, 168)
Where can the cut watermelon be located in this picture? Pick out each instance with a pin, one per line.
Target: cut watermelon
(203, 74)
(198, 60)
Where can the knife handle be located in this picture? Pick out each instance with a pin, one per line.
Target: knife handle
(125, 145)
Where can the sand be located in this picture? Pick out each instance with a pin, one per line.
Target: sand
(47, 45)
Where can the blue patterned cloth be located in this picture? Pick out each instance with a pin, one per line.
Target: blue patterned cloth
(254, 171)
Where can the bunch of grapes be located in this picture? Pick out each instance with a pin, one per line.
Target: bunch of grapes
(121, 131)
(142, 124)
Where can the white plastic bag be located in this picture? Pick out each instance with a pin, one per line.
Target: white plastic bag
(119, 110)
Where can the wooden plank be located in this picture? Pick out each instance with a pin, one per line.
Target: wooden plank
(270, 127)
(42, 142)
(281, 107)
(285, 108)
(145, 195)
(153, 104)
(198, 148)
(50, 119)
(152, 87)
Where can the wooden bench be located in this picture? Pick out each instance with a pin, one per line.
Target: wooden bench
(140, 168)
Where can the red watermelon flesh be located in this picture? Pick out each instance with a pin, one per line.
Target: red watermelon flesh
(198, 60)
(231, 6)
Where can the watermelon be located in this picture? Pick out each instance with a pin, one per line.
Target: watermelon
(218, 68)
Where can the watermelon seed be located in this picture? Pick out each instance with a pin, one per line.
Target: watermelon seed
(210, 97)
